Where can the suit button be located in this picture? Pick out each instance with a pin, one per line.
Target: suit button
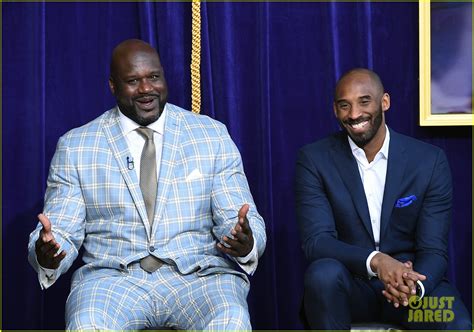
(152, 248)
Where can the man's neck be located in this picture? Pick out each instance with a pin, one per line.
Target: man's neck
(374, 146)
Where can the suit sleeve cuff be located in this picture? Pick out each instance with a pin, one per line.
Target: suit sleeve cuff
(370, 273)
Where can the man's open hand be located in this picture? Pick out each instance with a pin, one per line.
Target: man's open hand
(46, 246)
(242, 243)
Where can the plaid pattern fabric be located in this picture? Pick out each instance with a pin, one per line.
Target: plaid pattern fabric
(137, 300)
(94, 200)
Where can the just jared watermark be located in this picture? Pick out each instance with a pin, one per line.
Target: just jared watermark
(431, 309)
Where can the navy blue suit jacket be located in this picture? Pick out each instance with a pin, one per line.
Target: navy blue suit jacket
(333, 215)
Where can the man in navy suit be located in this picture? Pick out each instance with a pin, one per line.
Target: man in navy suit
(374, 211)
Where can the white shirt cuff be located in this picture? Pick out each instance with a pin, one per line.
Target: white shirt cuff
(422, 289)
(46, 277)
(371, 273)
(249, 263)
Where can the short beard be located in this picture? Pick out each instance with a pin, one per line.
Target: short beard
(146, 121)
(363, 139)
(131, 113)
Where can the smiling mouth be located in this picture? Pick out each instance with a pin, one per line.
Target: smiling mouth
(147, 102)
(359, 125)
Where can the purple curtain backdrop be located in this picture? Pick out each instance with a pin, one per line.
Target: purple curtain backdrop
(268, 72)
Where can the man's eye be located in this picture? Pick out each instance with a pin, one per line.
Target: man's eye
(132, 81)
(365, 102)
(343, 106)
(155, 77)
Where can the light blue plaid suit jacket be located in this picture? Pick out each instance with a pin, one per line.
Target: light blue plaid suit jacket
(94, 200)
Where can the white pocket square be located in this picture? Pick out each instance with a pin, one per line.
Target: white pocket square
(194, 175)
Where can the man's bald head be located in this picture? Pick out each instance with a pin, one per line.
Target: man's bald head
(127, 48)
(359, 105)
(359, 74)
(137, 81)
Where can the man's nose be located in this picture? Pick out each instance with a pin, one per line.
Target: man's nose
(144, 86)
(355, 112)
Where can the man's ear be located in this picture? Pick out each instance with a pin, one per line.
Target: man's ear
(385, 102)
(112, 85)
(334, 108)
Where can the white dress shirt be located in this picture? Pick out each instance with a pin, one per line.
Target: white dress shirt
(136, 142)
(373, 176)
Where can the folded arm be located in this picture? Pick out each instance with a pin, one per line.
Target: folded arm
(317, 223)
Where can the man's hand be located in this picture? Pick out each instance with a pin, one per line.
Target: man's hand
(409, 287)
(399, 278)
(242, 243)
(46, 246)
(411, 278)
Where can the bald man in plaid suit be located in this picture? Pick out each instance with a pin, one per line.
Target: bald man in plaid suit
(179, 263)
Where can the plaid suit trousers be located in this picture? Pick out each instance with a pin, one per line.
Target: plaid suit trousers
(138, 300)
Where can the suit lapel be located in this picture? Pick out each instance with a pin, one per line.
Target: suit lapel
(171, 145)
(118, 144)
(395, 169)
(349, 171)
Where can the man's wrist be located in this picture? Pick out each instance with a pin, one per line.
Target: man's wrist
(49, 273)
(368, 264)
(252, 255)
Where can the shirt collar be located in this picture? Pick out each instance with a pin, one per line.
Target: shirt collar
(128, 125)
(383, 150)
